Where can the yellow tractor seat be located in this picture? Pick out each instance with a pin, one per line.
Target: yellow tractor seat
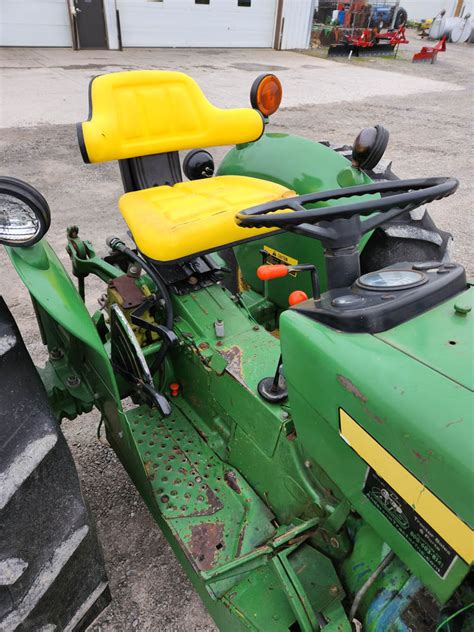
(172, 223)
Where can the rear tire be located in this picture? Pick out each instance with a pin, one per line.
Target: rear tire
(412, 236)
(52, 575)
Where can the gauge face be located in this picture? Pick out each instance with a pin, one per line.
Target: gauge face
(391, 279)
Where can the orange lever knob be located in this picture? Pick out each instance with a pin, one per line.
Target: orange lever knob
(174, 389)
(298, 296)
(266, 273)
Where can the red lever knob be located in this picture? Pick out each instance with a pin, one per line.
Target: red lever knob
(174, 389)
(266, 273)
(298, 296)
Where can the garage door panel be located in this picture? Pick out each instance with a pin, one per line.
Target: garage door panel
(38, 23)
(183, 23)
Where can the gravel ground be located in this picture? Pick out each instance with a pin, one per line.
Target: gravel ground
(430, 135)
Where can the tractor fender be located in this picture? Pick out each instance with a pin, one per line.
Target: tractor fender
(59, 308)
(54, 292)
(300, 164)
(48, 282)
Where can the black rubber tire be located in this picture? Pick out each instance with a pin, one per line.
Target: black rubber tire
(382, 250)
(401, 18)
(411, 237)
(52, 575)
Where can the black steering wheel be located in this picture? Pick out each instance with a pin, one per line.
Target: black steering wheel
(398, 196)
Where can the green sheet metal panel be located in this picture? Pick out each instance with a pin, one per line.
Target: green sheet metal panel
(406, 406)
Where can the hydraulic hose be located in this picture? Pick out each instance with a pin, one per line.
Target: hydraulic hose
(117, 244)
(367, 584)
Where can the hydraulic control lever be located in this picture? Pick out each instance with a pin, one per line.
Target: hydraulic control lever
(167, 335)
(269, 272)
(273, 389)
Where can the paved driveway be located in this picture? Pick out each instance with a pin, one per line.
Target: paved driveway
(49, 86)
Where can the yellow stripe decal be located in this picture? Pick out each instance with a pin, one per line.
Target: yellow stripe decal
(444, 521)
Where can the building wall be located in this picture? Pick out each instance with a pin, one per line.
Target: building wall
(298, 20)
(182, 23)
(168, 23)
(34, 23)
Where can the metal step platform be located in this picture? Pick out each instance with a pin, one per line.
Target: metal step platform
(210, 508)
(229, 535)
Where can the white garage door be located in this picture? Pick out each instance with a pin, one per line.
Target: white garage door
(34, 23)
(199, 23)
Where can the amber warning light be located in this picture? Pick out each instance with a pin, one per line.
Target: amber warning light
(266, 94)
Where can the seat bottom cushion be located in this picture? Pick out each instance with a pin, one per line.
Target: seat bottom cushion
(172, 223)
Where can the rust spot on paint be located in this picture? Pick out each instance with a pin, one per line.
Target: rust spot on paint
(233, 355)
(419, 456)
(240, 542)
(205, 541)
(149, 471)
(231, 480)
(351, 388)
(214, 503)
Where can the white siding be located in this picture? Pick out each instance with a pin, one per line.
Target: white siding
(424, 9)
(298, 20)
(111, 24)
(182, 23)
(38, 23)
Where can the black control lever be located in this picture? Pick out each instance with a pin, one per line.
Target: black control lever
(273, 389)
(167, 335)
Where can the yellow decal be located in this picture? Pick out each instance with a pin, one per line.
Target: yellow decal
(278, 257)
(442, 519)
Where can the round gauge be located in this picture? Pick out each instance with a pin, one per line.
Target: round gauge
(391, 280)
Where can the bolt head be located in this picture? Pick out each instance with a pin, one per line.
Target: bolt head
(56, 353)
(73, 381)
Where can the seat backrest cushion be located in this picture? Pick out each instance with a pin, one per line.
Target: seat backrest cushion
(144, 112)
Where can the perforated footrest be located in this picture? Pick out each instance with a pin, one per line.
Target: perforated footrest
(211, 509)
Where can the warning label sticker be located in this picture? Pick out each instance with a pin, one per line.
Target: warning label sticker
(274, 256)
(431, 546)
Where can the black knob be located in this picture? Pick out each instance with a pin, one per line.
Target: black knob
(369, 147)
(198, 164)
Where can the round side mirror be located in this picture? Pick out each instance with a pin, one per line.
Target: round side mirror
(198, 164)
(369, 147)
(24, 213)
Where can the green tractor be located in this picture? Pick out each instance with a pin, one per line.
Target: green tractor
(282, 363)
